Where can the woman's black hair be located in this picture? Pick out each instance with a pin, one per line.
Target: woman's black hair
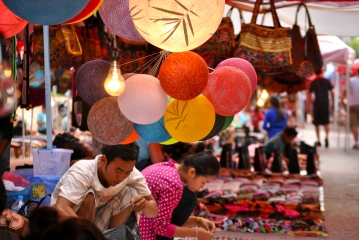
(275, 103)
(203, 162)
(127, 152)
(290, 131)
(3, 197)
(79, 229)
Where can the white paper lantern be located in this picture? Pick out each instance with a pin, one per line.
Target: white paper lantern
(176, 25)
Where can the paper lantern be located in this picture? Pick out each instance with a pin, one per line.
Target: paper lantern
(10, 24)
(143, 101)
(88, 11)
(128, 75)
(116, 16)
(190, 121)
(228, 89)
(244, 66)
(170, 142)
(133, 137)
(90, 80)
(45, 12)
(107, 124)
(218, 125)
(176, 26)
(228, 121)
(155, 132)
(183, 76)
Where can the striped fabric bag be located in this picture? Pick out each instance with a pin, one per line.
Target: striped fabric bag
(268, 49)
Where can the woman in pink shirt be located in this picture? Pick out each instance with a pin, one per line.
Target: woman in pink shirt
(166, 180)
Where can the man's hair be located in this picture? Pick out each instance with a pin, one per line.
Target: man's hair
(290, 131)
(3, 197)
(127, 152)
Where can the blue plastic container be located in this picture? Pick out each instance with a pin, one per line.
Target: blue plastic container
(26, 173)
(41, 186)
(12, 196)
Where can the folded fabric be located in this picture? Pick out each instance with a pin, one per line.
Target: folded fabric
(249, 186)
(215, 185)
(9, 186)
(263, 196)
(277, 198)
(214, 194)
(292, 181)
(290, 187)
(244, 195)
(234, 186)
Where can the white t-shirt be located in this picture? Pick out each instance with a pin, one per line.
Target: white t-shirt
(83, 175)
(354, 91)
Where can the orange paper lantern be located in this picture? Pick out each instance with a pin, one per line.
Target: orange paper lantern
(133, 137)
(10, 24)
(190, 121)
(229, 90)
(184, 75)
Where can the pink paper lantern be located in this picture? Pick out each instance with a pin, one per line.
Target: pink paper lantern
(244, 66)
(116, 16)
(143, 101)
(228, 89)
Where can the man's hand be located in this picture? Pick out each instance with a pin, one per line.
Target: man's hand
(138, 203)
(208, 225)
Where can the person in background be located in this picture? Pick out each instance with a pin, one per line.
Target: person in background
(150, 153)
(320, 87)
(275, 119)
(165, 181)
(257, 116)
(105, 190)
(6, 134)
(280, 140)
(354, 108)
(41, 120)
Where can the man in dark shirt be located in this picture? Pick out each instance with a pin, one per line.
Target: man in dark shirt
(6, 133)
(321, 88)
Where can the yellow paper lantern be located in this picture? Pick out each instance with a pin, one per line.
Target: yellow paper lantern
(178, 25)
(170, 142)
(190, 121)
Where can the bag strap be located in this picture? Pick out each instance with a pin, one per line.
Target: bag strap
(307, 12)
(272, 9)
(229, 13)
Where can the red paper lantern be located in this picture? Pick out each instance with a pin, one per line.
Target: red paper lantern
(244, 66)
(89, 10)
(10, 24)
(183, 75)
(228, 89)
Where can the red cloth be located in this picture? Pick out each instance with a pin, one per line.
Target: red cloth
(256, 118)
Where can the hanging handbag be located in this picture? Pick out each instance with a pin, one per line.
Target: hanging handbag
(65, 48)
(268, 49)
(222, 42)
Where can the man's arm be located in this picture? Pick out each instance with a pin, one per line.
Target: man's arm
(156, 153)
(65, 208)
(332, 96)
(146, 204)
(309, 101)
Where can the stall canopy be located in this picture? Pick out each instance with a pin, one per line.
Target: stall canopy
(329, 18)
(335, 50)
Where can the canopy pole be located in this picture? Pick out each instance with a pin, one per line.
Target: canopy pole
(347, 128)
(47, 86)
(23, 133)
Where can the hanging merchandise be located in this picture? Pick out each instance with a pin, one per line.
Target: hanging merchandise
(306, 55)
(45, 12)
(10, 24)
(268, 49)
(176, 26)
(116, 16)
(65, 48)
(107, 124)
(222, 43)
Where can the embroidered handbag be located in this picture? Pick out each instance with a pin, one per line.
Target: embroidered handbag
(268, 49)
(65, 48)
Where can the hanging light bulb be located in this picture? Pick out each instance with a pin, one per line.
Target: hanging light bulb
(114, 83)
(264, 94)
(260, 102)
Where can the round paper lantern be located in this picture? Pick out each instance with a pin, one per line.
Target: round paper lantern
(176, 26)
(116, 16)
(170, 142)
(244, 66)
(107, 124)
(218, 125)
(128, 75)
(143, 101)
(228, 121)
(133, 137)
(10, 24)
(90, 79)
(88, 11)
(228, 89)
(45, 12)
(183, 75)
(190, 121)
(155, 132)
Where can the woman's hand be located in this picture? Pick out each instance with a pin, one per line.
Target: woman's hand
(208, 225)
(203, 234)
